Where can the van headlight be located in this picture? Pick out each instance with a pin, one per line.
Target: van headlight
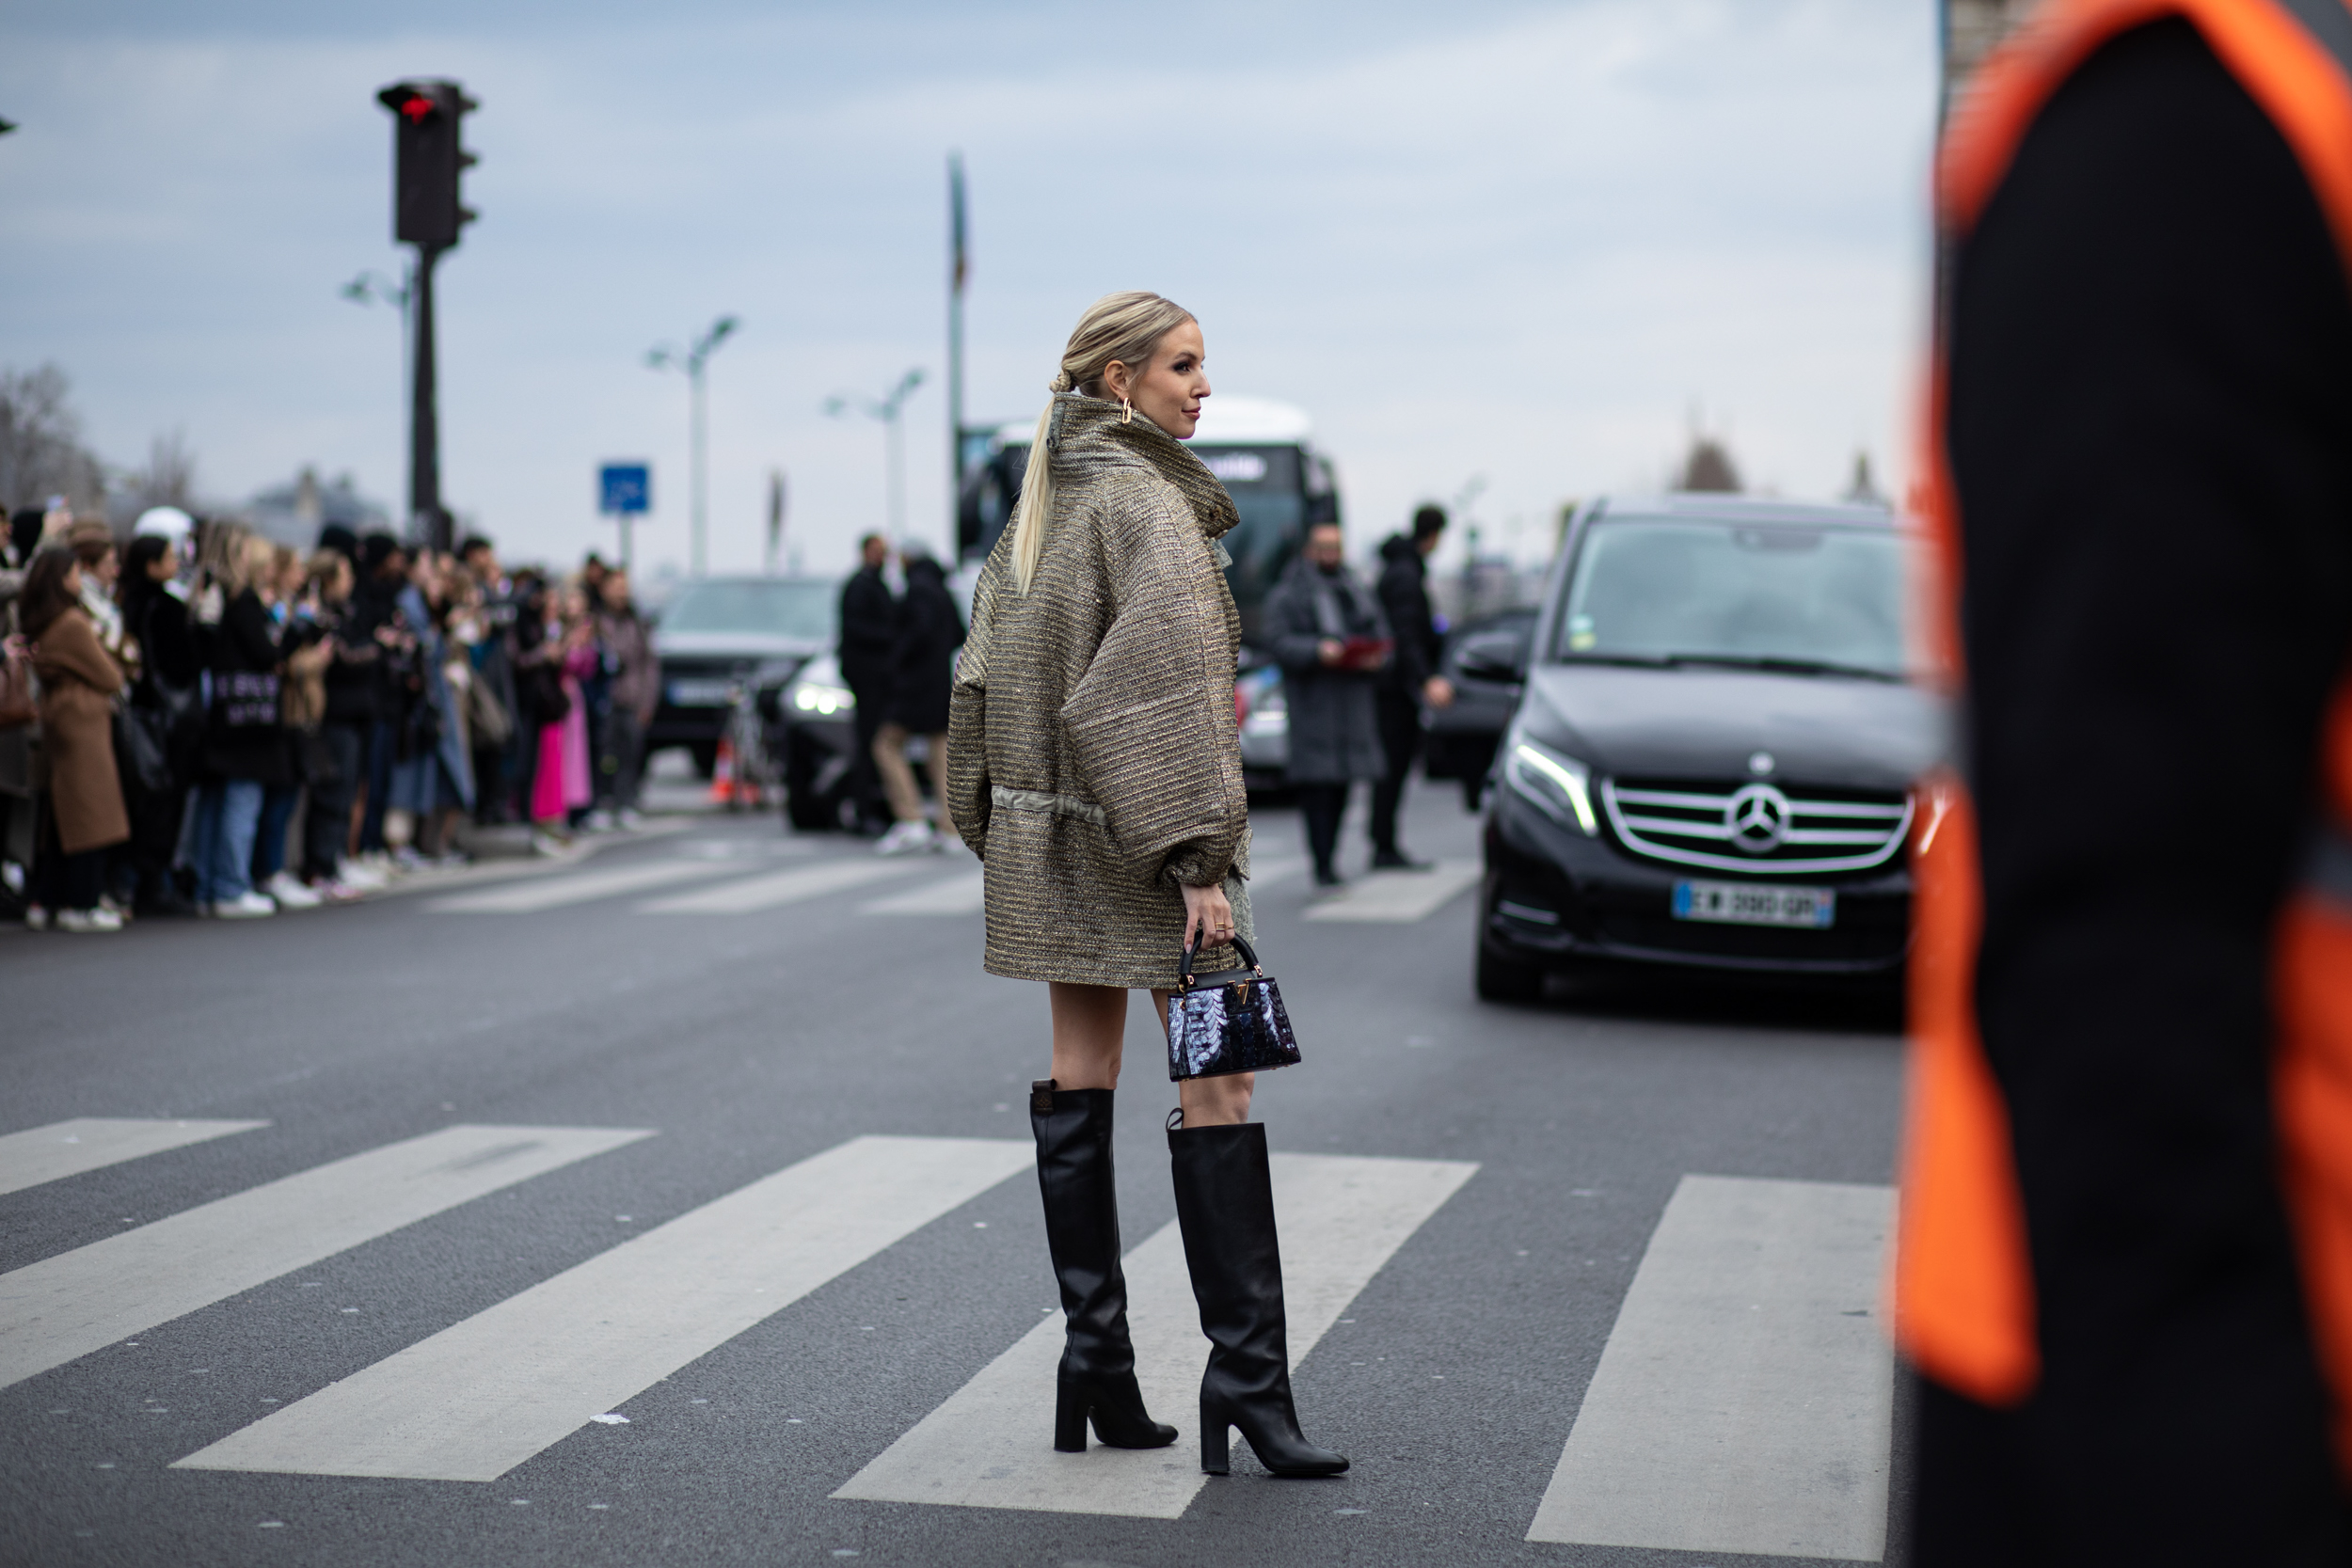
(1556, 784)
(822, 698)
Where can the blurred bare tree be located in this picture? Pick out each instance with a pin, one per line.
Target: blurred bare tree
(1708, 466)
(168, 479)
(41, 444)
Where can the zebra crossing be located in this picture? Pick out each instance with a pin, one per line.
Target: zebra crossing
(1742, 1403)
(723, 884)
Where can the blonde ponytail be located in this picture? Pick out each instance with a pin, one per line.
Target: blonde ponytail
(1126, 327)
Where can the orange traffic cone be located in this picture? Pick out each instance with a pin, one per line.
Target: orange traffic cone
(723, 774)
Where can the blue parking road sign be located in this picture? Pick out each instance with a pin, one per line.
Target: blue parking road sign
(624, 488)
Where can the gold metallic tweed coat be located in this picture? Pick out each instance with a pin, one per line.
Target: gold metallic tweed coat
(1092, 762)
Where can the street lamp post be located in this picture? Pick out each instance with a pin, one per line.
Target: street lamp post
(886, 409)
(691, 360)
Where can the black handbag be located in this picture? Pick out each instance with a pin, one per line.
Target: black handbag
(1230, 1021)
(142, 760)
(246, 699)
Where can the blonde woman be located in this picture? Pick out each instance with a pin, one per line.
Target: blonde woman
(1094, 768)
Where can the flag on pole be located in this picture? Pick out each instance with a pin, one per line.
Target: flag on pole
(963, 265)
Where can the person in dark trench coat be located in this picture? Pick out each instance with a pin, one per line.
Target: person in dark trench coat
(869, 663)
(1311, 618)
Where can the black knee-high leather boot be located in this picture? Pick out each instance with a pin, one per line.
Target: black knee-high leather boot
(1098, 1361)
(1225, 1203)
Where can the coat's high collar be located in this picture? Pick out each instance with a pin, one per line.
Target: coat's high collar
(1088, 434)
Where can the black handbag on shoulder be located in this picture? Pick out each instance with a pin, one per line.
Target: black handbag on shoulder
(1230, 1021)
(246, 699)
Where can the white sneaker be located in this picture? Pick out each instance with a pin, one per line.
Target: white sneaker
(597, 821)
(547, 843)
(631, 818)
(359, 873)
(248, 905)
(904, 838)
(334, 890)
(35, 918)
(289, 892)
(88, 922)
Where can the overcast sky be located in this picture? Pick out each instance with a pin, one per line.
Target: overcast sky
(1525, 242)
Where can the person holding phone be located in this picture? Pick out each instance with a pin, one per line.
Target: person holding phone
(1331, 638)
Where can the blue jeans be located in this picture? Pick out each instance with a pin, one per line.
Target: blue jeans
(228, 812)
(269, 847)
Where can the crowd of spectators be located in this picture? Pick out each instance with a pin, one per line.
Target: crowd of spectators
(199, 721)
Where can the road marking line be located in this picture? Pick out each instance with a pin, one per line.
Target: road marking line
(1398, 897)
(963, 895)
(553, 892)
(1272, 873)
(483, 1396)
(70, 1305)
(991, 1444)
(65, 1149)
(1744, 1401)
(778, 888)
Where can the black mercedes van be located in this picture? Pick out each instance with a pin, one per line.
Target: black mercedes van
(1715, 759)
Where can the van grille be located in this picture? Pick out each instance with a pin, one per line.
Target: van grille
(1756, 828)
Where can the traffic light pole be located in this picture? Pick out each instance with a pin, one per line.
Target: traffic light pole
(426, 514)
(427, 160)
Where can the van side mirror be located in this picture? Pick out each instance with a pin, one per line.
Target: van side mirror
(1495, 656)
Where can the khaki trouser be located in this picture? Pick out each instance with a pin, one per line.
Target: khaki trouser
(890, 758)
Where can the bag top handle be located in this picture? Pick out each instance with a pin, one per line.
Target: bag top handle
(1183, 969)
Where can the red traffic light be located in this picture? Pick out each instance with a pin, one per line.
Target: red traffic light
(416, 109)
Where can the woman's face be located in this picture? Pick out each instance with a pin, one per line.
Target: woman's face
(108, 566)
(1169, 390)
(165, 566)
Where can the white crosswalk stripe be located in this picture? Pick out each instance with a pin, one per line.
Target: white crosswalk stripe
(478, 1399)
(751, 894)
(1744, 1399)
(65, 1306)
(65, 1149)
(961, 894)
(1397, 897)
(990, 1445)
(533, 894)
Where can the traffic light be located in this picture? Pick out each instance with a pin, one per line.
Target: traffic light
(427, 161)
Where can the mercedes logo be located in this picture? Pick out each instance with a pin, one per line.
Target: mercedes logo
(1757, 817)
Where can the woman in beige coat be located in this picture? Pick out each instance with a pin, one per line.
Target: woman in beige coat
(1093, 765)
(79, 683)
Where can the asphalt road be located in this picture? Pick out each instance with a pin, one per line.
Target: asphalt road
(736, 996)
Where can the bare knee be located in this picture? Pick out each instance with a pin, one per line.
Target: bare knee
(1089, 1027)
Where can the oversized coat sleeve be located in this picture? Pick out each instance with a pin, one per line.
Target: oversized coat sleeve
(1150, 723)
(968, 799)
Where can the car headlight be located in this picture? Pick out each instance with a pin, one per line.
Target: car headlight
(1554, 783)
(821, 699)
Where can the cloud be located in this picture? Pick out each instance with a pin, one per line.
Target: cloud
(1518, 241)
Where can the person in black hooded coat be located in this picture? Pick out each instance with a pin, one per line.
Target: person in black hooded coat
(931, 629)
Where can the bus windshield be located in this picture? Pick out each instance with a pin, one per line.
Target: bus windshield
(779, 607)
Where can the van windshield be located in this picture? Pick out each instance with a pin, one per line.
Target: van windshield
(1826, 598)
(781, 607)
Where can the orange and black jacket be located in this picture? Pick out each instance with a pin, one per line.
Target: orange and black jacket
(2125, 1270)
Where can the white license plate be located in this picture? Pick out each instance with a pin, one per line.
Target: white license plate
(1750, 904)
(702, 693)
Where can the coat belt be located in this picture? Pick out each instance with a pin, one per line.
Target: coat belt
(1037, 799)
